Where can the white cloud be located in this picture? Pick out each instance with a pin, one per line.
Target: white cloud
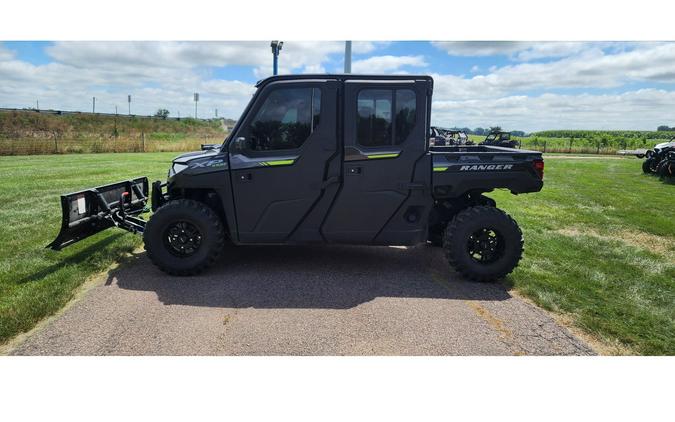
(518, 50)
(591, 69)
(387, 64)
(640, 109)
(165, 74)
(157, 74)
(480, 48)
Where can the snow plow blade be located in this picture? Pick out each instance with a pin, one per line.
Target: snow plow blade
(90, 211)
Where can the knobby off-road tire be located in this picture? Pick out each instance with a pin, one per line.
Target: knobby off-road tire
(647, 165)
(485, 229)
(184, 237)
(662, 169)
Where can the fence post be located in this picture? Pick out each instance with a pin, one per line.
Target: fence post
(142, 141)
(544, 147)
(56, 145)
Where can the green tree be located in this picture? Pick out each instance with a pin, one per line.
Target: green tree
(162, 113)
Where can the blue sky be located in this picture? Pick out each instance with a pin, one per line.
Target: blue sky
(517, 85)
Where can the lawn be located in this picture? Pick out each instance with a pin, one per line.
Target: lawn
(34, 281)
(599, 243)
(600, 248)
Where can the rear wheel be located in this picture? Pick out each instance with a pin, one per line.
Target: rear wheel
(184, 237)
(483, 243)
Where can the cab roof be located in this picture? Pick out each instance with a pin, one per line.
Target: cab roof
(343, 77)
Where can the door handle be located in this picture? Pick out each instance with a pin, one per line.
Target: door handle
(244, 177)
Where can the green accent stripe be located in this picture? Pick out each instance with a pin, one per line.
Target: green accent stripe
(440, 168)
(394, 155)
(278, 162)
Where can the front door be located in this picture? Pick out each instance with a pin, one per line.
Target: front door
(385, 197)
(279, 170)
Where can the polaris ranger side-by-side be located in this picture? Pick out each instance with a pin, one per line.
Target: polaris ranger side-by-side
(323, 159)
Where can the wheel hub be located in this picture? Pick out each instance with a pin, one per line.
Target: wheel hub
(182, 239)
(485, 245)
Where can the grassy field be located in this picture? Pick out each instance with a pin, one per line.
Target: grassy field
(600, 248)
(35, 282)
(606, 144)
(599, 243)
(29, 133)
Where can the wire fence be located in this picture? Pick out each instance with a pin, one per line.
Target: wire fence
(82, 146)
(121, 115)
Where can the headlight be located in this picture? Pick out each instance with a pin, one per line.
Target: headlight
(177, 168)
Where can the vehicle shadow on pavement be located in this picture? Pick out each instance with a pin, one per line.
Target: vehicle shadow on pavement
(330, 277)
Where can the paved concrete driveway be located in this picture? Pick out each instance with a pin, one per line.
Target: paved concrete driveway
(302, 301)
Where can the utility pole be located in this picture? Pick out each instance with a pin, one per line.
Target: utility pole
(37, 105)
(348, 57)
(129, 101)
(216, 113)
(93, 104)
(276, 48)
(196, 101)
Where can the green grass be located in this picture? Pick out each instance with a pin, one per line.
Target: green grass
(34, 281)
(600, 248)
(599, 243)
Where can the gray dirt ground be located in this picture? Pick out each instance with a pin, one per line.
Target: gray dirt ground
(323, 300)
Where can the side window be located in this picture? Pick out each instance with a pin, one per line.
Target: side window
(286, 119)
(406, 114)
(385, 116)
(374, 117)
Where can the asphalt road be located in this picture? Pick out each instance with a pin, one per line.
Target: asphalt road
(323, 300)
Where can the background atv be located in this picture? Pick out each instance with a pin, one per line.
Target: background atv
(657, 155)
(441, 137)
(437, 136)
(500, 139)
(666, 168)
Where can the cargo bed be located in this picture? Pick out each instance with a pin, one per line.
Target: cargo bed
(463, 168)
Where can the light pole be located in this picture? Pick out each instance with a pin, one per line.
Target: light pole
(129, 101)
(348, 57)
(276, 48)
(196, 101)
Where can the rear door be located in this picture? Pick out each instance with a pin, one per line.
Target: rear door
(280, 175)
(385, 197)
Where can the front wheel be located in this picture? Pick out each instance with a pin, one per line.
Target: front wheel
(184, 237)
(647, 165)
(483, 243)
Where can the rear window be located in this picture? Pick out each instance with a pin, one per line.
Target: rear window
(385, 116)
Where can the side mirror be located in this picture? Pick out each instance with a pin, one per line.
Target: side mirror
(239, 144)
